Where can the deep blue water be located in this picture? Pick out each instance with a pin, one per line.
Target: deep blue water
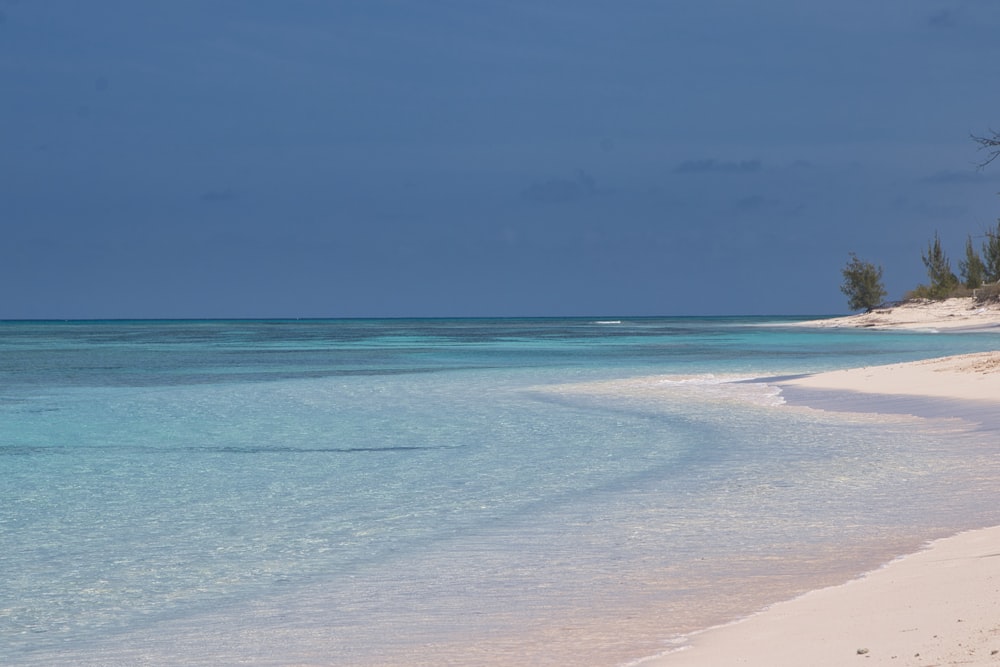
(511, 491)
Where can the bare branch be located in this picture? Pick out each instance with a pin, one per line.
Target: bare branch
(990, 144)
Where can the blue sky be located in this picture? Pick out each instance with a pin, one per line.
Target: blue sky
(313, 158)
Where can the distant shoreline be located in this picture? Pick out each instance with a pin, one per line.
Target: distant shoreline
(958, 314)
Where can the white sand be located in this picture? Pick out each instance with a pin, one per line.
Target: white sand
(940, 606)
(963, 377)
(952, 314)
(937, 607)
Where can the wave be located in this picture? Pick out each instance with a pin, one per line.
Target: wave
(706, 387)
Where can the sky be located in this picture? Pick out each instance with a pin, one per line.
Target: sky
(440, 158)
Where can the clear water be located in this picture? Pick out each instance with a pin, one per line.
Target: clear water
(443, 492)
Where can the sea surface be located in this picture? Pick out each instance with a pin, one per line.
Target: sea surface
(446, 492)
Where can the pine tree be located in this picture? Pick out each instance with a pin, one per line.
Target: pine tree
(972, 267)
(991, 255)
(862, 284)
(943, 281)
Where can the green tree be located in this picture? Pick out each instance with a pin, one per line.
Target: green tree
(991, 255)
(862, 284)
(972, 268)
(943, 281)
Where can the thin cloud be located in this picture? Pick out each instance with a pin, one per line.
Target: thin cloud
(718, 166)
(946, 18)
(562, 190)
(952, 177)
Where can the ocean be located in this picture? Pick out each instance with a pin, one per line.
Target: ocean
(581, 491)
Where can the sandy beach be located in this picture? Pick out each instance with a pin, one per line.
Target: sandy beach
(949, 315)
(940, 606)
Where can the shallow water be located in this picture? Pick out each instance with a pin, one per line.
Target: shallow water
(444, 491)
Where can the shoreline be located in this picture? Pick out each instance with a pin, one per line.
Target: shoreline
(939, 605)
(964, 386)
(953, 315)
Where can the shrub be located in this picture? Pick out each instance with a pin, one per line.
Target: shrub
(987, 293)
(927, 293)
(862, 284)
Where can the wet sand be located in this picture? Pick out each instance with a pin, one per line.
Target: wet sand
(940, 606)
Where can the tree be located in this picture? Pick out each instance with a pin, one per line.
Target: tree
(991, 255)
(943, 281)
(990, 144)
(972, 268)
(862, 284)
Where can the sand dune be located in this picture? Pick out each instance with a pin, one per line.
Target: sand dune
(952, 314)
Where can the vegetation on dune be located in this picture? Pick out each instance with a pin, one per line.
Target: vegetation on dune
(972, 268)
(991, 256)
(943, 281)
(979, 274)
(862, 284)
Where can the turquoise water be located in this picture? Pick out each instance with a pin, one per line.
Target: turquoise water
(572, 491)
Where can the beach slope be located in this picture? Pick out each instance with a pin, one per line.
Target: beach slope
(948, 315)
(940, 606)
